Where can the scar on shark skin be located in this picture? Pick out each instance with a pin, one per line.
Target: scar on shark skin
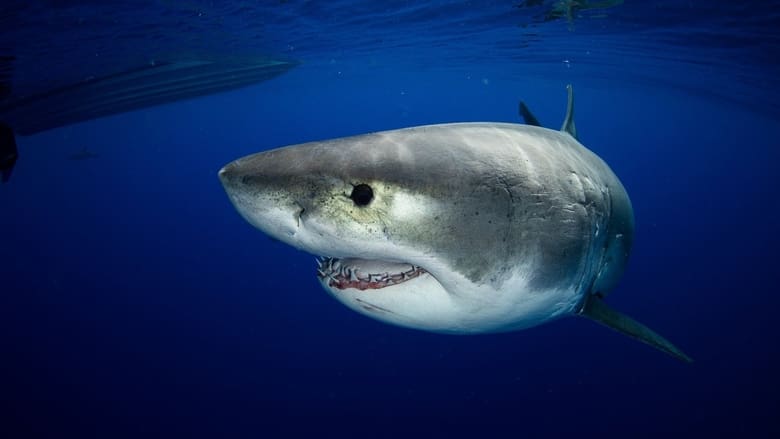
(371, 307)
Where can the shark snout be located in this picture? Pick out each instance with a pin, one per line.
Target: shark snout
(233, 177)
(226, 174)
(235, 183)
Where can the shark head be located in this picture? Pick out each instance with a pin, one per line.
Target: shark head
(453, 228)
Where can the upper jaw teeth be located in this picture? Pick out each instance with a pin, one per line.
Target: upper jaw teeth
(364, 274)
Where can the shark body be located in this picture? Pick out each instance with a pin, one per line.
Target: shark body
(455, 228)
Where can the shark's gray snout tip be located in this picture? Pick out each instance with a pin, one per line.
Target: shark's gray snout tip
(224, 174)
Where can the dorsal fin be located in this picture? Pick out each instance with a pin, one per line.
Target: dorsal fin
(527, 116)
(568, 121)
(595, 309)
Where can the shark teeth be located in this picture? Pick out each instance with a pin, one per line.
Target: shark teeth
(348, 273)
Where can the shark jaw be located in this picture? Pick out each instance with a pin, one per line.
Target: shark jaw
(399, 293)
(362, 274)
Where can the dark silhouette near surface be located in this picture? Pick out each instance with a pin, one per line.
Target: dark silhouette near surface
(8, 152)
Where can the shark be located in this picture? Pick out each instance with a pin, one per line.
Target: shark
(458, 228)
(33, 106)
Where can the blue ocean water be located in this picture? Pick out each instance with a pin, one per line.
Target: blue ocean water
(136, 302)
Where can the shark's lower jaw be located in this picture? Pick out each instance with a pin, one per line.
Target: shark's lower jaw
(364, 274)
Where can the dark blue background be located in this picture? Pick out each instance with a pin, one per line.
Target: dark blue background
(136, 302)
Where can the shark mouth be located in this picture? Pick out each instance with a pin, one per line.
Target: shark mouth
(365, 274)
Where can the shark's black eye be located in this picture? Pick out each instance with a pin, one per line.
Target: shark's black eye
(362, 194)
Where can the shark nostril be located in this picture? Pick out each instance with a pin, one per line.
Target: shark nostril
(228, 175)
(232, 174)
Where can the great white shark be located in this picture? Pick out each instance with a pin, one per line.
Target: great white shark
(455, 228)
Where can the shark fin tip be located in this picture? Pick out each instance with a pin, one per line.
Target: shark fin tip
(568, 121)
(597, 310)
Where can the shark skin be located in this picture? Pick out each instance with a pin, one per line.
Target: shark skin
(455, 228)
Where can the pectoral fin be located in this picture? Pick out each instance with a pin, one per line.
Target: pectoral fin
(595, 309)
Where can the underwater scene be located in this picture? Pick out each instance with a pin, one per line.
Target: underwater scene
(529, 218)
